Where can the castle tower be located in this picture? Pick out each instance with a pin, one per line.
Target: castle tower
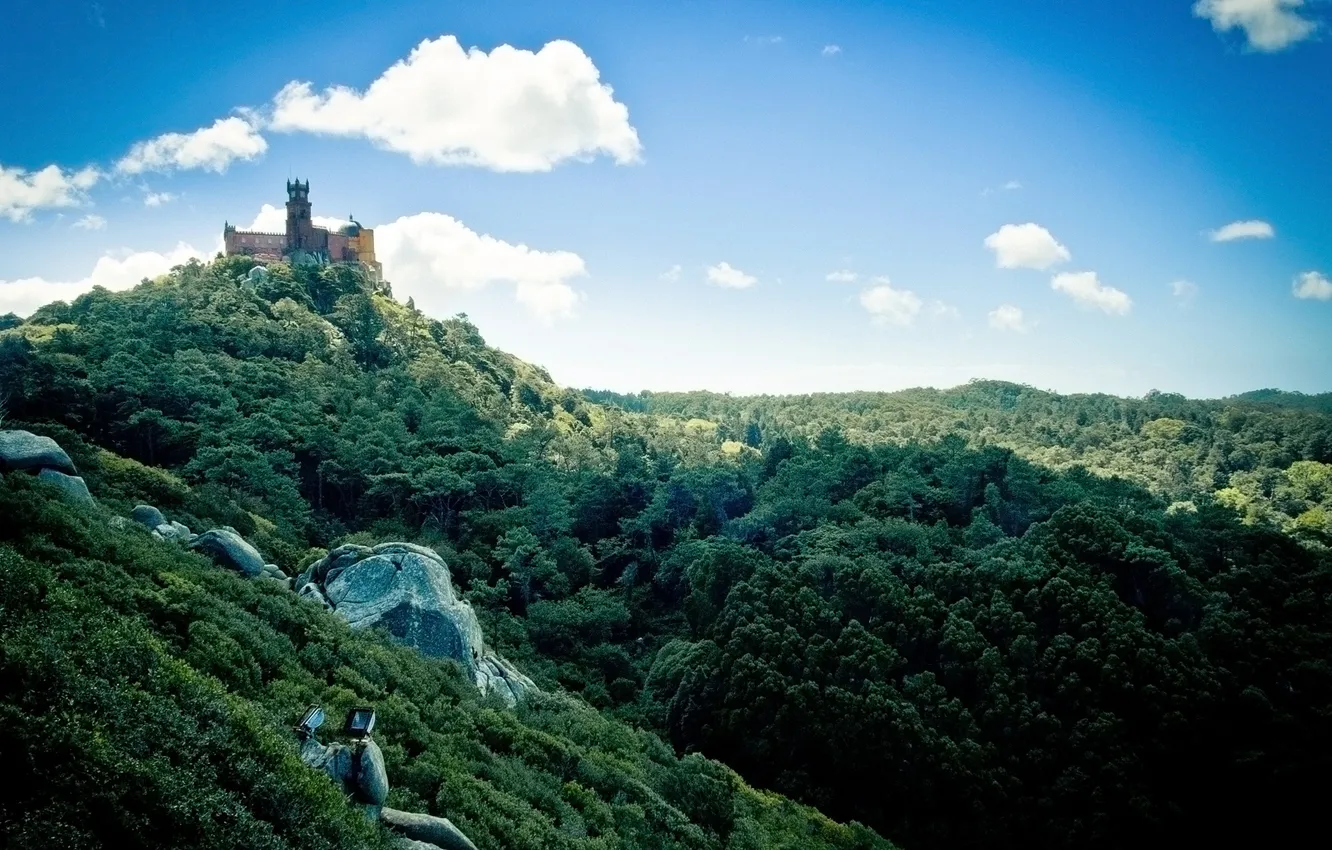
(300, 226)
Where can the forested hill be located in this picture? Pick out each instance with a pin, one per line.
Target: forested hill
(1253, 450)
(903, 614)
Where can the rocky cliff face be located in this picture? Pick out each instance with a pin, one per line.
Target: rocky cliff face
(407, 589)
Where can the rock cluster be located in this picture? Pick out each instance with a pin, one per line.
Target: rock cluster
(23, 451)
(359, 769)
(407, 590)
(224, 545)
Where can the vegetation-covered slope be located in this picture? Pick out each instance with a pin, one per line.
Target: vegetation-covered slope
(927, 616)
(147, 696)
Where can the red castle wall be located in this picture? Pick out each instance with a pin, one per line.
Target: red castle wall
(256, 244)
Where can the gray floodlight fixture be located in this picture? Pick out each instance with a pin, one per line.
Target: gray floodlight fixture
(360, 722)
(310, 721)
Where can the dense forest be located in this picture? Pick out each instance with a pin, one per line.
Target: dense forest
(981, 617)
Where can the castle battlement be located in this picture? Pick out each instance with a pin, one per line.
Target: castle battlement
(304, 242)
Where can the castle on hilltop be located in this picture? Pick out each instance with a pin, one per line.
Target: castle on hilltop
(305, 243)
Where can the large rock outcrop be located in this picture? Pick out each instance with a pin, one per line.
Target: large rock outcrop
(22, 451)
(407, 589)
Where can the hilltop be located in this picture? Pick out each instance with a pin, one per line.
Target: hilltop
(987, 616)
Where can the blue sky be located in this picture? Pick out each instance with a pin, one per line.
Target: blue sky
(1037, 191)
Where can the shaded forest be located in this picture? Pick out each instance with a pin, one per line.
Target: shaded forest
(980, 617)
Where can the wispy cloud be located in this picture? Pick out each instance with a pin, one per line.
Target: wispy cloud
(889, 306)
(728, 277)
(91, 222)
(1242, 230)
(23, 192)
(1087, 290)
(763, 39)
(831, 49)
(940, 310)
(1184, 291)
(842, 276)
(672, 274)
(211, 148)
(1006, 317)
(157, 199)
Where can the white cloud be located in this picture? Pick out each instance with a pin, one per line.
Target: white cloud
(429, 256)
(940, 310)
(843, 276)
(22, 191)
(273, 219)
(91, 222)
(157, 199)
(508, 110)
(1006, 317)
(1243, 230)
(1269, 25)
(1012, 185)
(115, 272)
(1086, 289)
(763, 39)
(888, 306)
(672, 274)
(831, 50)
(1313, 285)
(727, 277)
(1184, 291)
(210, 148)
(1025, 246)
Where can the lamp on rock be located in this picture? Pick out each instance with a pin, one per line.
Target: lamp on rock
(310, 721)
(360, 722)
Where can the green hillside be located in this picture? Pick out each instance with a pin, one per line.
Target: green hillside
(987, 617)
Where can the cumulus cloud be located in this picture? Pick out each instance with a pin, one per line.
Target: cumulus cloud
(157, 199)
(842, 276)
(1025, 246)
(116, 272)
(672, 274)
(507, 110)
(1088, 291)
(211, 148)
(1184, 291)
(430, 256)
(889, 306)
(831, 50)
(728, 277)
(1006, 317)
(22, 192)
(1313, 285)
(91, 222)
(1269, 25)
(1242, 230)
